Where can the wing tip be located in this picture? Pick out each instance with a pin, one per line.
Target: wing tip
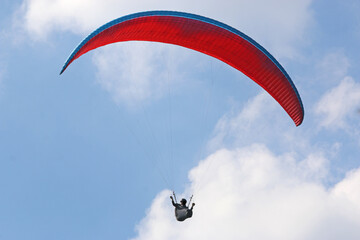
(63, 69)
(299, 121)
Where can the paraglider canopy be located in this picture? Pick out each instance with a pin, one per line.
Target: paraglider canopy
(207, 36)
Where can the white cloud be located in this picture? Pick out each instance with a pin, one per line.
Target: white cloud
(248, 120)
(253, 193)
(338, 107)
(332, 67)
(41, 17)
(250, 193)
(349, 188)
(133, 75)
(136, 73)
(261, 120)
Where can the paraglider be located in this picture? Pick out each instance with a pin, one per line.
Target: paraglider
(207, 36)
(204, 35)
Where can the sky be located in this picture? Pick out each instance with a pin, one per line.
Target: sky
(96, 152)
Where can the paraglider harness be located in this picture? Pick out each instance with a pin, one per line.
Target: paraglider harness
(182, 212)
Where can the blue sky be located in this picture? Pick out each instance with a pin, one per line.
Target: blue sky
(94, 153)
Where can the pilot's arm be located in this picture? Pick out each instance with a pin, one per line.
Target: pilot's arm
(172, 200)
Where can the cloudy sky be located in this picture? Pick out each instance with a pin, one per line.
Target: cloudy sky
(95, 153)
